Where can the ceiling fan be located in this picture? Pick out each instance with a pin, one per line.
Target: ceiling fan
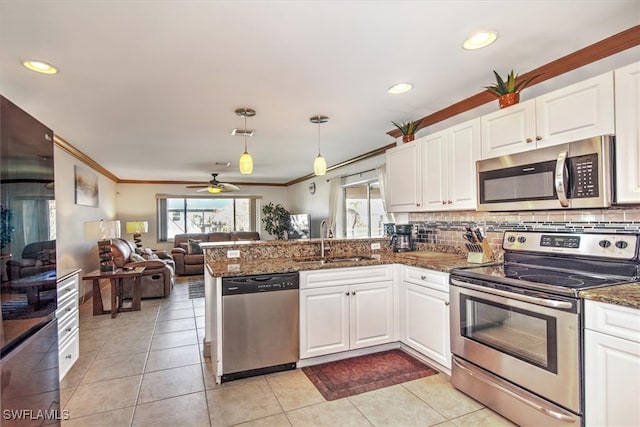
(215, 186)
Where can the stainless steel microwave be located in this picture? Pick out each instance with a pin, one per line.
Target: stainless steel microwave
(576, 175)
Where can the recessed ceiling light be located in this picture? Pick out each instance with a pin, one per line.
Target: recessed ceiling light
(400, 88)
(479, 40)
(40, 67)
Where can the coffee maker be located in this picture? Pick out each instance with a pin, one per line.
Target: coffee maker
(402, 240)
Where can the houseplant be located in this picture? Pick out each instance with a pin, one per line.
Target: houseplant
(276, 220)
(508, 92)
(408, 129)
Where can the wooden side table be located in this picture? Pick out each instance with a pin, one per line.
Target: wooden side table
(116, 278)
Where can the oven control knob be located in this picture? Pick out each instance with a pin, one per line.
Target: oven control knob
(511, 239)
(621, 244)
(522, 239)
(604, 243)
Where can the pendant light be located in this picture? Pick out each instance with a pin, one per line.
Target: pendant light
(246, 162)
(319, 164)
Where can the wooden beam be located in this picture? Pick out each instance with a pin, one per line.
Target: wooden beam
(602, 49)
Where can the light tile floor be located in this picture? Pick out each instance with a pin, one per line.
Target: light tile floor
(146, 368)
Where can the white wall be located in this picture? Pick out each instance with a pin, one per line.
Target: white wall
(73, 251)
(137, 202)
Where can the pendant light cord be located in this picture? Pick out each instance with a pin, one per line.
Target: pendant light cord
(318, 138)
(245, 131)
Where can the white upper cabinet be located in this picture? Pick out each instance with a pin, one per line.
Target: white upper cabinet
(510, 130)
(449, 167)
(463, 149)
(575, 112)
(627, 89)
(404, 179)
(579, 111)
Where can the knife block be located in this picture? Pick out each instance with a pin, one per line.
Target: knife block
(481, 257)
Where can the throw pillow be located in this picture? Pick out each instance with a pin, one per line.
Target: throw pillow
(185, 246)
(134, 257)
(194, 247)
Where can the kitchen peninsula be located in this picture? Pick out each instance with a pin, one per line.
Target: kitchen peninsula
(352, 274)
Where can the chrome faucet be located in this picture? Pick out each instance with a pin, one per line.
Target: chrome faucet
(323, 225)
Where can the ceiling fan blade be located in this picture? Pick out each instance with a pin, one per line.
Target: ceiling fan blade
(202, 189)
(225, 186)
(197, 186)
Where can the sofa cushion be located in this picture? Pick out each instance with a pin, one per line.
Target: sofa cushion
(134, 257)
(194, 247)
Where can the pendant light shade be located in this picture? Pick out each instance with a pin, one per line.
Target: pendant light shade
(246, 161)
(319, 164)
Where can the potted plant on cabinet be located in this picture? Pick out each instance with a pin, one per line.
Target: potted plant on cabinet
(276, 220)
(408, 129)
(508, 92)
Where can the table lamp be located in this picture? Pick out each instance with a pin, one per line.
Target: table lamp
(137, 228)
(103, 232)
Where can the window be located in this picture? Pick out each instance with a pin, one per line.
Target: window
(204, 215)
(364, 211)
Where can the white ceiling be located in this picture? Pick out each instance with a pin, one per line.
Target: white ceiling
(148, 89)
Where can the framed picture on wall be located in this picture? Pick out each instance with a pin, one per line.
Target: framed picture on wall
(86, 186)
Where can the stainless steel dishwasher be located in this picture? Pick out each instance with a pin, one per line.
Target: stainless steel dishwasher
(259, 324)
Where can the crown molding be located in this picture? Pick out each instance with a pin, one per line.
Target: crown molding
(611, 45)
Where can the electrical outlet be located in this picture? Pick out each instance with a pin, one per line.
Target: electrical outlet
(375, 246)
(235, 253)
(233, 267)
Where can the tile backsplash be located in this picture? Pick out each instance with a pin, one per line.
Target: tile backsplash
(446, 228)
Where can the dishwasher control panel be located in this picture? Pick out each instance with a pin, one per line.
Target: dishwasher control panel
(260, 283)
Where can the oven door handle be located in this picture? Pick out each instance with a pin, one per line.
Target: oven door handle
(525, 298)
(561, 179)
(549, 412)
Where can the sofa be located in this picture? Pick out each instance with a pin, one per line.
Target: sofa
(188, 255)
(159, 274)
(36, 258)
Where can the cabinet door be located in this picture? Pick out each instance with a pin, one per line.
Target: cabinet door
(324, 321)
(371, 314)
(579, 111)
(628, 133)
(463, 145)
(404, 179)
(612, 381)
(510, 130)
(434, 171)
(426, 322)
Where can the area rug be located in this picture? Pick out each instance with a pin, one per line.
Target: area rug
(343, 378)
(196, 289)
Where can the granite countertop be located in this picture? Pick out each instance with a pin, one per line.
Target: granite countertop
(437, 261)
(627, 295)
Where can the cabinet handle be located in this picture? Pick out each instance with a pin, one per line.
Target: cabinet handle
(69, 329)
(417, 204)
(423, 277)
(68, 356)
(538, 138)
(528, 140)
(353, 293)
(446, 303)
(346, 293)
(449, 202)
(444, 203)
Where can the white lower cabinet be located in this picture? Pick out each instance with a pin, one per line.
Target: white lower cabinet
(424, 310)
(612, 365)
(337, 317)
(68, 323)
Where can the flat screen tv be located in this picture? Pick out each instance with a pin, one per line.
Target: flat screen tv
(299, 227)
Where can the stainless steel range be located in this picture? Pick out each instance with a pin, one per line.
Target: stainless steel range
(516, 327)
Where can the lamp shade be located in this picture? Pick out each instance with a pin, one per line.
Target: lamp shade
(246, 164)
(319, 165)
(137, 227)
(100, 230)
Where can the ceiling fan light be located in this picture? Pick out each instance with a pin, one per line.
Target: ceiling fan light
(40, 67)
(319, 165)
(214, 190)
(246, 164)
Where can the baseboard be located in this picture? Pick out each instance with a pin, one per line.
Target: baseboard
(435, 365)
